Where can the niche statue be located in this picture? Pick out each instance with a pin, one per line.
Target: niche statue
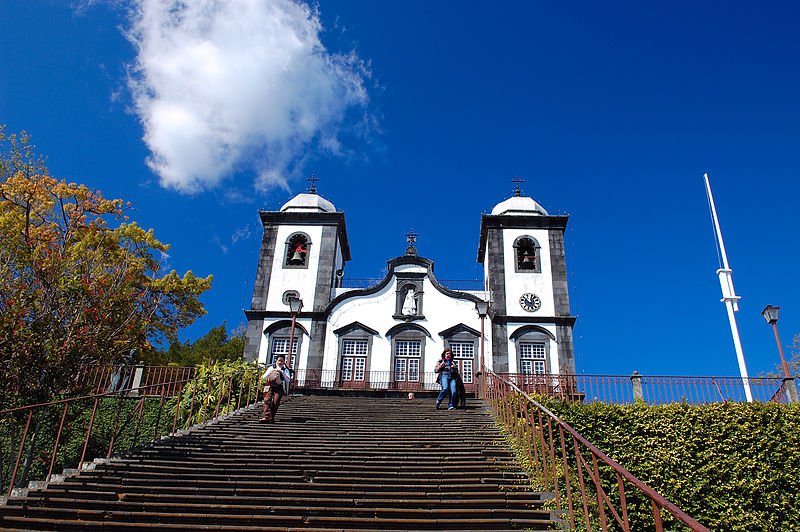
(410, 303)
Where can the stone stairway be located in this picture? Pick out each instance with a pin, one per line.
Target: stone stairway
(329, 463)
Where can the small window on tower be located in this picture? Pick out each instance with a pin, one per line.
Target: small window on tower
(297, 251)
(527, 255)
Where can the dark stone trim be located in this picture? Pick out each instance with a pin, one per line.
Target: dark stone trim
(555, 320)
(506, 221)
(403, 327)
(266, 258)
(499, 347)
(525, 329)
(325, 268)
(316, 347)
(497, 271)
(458, 329)
(264, 314)
(311, 218)
(253, 339)
(355, 326)
(566, 350)
(285, 324)
(558, 267)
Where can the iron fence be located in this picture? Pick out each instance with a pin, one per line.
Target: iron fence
(653, 390)
(614, 389)
(36, 440)
(99, 378)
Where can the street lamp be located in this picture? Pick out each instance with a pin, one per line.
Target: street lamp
(770, 314)
(295, 304)
(483, 309)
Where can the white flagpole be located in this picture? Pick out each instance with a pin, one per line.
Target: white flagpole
(729, 296)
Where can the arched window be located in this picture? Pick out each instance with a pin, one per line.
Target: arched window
(533, 354)
(527, 255)
(297, 251)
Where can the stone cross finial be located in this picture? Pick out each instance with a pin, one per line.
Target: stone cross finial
(517, 180)
(313, 180)
(411, 238)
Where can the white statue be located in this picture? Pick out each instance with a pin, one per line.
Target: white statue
(410, 303)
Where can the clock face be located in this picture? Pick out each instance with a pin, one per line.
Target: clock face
(530, 302)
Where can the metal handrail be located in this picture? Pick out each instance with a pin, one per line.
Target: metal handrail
(536, 436)
(196, 400)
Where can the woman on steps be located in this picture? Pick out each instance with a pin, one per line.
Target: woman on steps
(447, 369)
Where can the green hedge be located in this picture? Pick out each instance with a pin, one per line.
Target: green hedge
(731, 466)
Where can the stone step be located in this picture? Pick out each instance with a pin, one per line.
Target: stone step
(329, 463)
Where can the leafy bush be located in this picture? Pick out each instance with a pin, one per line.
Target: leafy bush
(731, 466)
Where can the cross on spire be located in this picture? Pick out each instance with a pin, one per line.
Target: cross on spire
(313, 180)
(411, 238)
(517, 180)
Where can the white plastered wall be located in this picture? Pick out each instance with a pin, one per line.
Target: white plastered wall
(517, 284)
(303, 280)
(376, 310)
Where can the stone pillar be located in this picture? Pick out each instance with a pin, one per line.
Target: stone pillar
(636, 382)
(791, 390)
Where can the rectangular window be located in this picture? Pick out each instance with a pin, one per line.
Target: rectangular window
(464, 354)
(280, 347)
(361, 365)
(347, 369)
(532, 358)
(462, 349)
(407, 348)
(355, 347)
(406, 360)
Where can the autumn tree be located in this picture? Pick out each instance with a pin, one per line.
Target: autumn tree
(79, 282)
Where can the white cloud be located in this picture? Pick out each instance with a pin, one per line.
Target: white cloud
(242, 233)
(238, 85)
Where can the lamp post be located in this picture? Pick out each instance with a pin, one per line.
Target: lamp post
(483, 309)
(295, 304)
(770, 314)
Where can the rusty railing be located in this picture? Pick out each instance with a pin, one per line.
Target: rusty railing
(589, 487)
(653, 390)
(36, 440)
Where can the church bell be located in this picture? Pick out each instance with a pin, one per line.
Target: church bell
(297, 258)
(527, 262)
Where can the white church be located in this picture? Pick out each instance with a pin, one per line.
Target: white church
(390, 335)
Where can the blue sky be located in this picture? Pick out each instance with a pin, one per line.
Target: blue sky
(418, 115)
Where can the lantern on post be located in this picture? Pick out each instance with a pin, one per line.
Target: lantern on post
(295, 305)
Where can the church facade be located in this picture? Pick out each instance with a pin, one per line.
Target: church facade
(392, 333)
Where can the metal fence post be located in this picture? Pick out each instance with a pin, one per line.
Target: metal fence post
(636, 382)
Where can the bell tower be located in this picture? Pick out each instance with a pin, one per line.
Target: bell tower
(522, 252)
(303, 252)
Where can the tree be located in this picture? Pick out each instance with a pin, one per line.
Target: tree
(79, 282)
(215, 346)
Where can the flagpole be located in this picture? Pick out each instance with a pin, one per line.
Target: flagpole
(729, 296)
